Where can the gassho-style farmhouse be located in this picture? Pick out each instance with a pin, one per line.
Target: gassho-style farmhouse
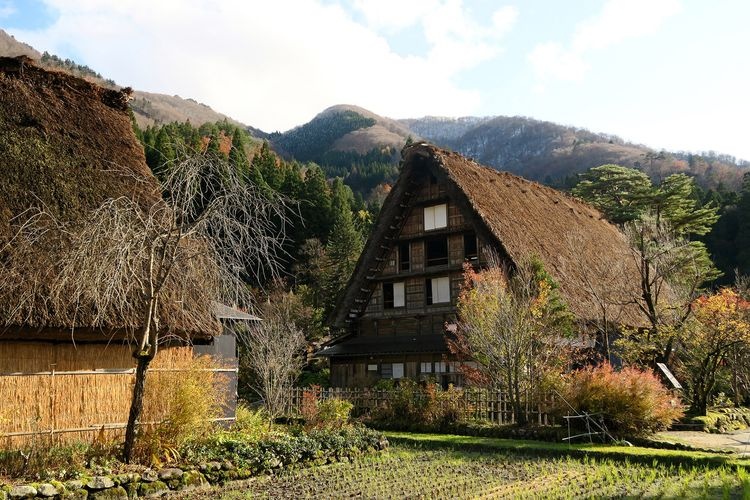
(67, 145)
(446, 210)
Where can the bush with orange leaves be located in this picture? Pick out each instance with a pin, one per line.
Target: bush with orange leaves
(632, 402)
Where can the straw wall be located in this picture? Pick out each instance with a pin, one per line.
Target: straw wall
(53, 389)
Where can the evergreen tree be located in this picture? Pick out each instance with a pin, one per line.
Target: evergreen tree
(660, 221)
(237, 155)
(315, 204)
(343, 248)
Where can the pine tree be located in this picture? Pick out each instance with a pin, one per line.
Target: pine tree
(237, 155)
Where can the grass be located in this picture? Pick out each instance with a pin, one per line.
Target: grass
(603, 451)
(437, 466)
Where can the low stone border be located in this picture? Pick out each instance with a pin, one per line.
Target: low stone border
(150, 483)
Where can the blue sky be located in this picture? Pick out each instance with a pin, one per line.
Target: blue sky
(670, 74)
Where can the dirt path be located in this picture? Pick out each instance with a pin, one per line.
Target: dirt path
(736, 441)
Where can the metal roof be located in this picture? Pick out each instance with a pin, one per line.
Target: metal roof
(223, 311)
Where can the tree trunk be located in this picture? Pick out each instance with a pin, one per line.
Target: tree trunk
(136, 405)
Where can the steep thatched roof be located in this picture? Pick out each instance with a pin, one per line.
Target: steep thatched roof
(589, 258)
(66, 146)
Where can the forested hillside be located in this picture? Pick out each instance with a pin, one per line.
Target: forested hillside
(555, 154)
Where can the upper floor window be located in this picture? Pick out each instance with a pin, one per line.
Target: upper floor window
(435, 217)
(470, 246)
(404, 256)
(393, 295)
(436, 251)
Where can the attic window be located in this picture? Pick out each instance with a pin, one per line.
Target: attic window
(435, 217)
(470, 246)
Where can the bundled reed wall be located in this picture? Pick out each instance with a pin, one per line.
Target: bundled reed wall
(83, 392)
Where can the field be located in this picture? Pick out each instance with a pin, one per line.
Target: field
(421, 468)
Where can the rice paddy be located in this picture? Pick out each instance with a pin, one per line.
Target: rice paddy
(409, 470)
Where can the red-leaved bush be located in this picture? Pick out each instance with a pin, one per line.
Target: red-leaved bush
(632, 402)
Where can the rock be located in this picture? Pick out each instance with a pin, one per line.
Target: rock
(192, 479)
(22, 492)
(132, 489)
(227, 465)
(170, 473)
(154, 488)
(116, 493)
(79, 494)
(149, 476)
(74, 485)
(100, 483)
(47, 490)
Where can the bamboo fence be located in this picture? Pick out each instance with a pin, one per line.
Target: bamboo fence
(64, 394)
(487, 405)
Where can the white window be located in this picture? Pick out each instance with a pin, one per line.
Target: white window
(440, 367)
(372, 368)
(425, 367)
(435, 217)
(399, 297)
(440, 290)
(398, 370)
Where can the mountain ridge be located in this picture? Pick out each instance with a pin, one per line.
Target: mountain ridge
(346, 135)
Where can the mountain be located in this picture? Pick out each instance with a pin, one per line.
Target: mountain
(11, 47)
(343, 136)
(552, 153)
(148, 108)
(342, 130)
(151, 108)
(352, 142)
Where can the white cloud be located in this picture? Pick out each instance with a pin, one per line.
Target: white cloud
(7, 9)
(618, 21)
(456, 40)
(552, 60)
(275, 64)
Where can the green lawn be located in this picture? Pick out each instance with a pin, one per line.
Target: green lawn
(437, 466)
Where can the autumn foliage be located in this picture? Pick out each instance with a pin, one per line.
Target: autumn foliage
(631, 401)
(719, 327)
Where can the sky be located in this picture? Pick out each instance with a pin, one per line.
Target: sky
(671, 74)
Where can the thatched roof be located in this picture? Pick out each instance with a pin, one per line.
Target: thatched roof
(589, 258)
(67, 145)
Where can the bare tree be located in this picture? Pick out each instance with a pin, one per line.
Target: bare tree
(151, 269)
(274, 354)
(609, 301)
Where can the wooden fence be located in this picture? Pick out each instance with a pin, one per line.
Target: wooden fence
(479, 404)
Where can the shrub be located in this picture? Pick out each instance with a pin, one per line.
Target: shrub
(633, 402)
(251, 423)
(193, 399)
(334, 413)
(277, 451)
(413, 405)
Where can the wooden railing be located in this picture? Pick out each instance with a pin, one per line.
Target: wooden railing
(478, 404)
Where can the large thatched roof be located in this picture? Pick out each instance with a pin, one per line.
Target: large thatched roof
(589, 258)
(66, 146)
